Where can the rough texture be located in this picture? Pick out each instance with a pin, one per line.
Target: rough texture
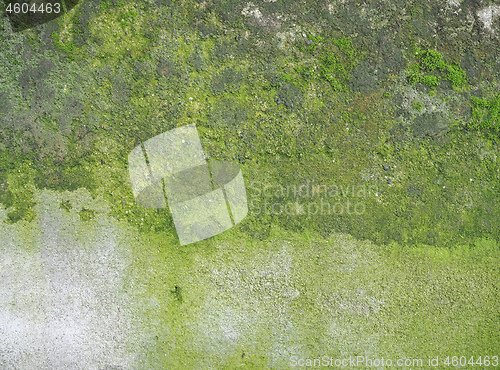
(61, 285)
(389, 106)
(95, 294)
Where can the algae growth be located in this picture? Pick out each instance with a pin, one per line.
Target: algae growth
(395, 100)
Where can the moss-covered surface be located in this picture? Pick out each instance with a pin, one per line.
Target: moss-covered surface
(302, 295)
(430, 61)
(394, 105)
(131, 299)
(486, 114)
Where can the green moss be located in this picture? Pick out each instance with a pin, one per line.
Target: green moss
(105, 5)
(236, 291)
(336, 69)
(176, 292)
(431, 81)
(305, 71)
(312, 44)
(86, 214)
(456, 75)
(67, 47)
(335, 60)
(66, 205)
(486, 114)
(418, 105)
(431, 61)
(225, 300)
(18, 196)
(127, 18)
(289, 95)
(228, 80)
(246, 103)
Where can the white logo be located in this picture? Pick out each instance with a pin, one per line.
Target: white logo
(205, 198)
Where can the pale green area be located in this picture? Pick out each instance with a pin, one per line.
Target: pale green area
(142, 301)
(295, 94)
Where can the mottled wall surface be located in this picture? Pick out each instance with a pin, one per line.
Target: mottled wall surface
(62, 305)
(95, 294)
(395, 100)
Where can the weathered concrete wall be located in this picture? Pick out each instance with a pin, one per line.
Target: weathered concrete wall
(60, 284)
(96, 294)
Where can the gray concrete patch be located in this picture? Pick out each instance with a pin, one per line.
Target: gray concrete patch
(61, 305)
